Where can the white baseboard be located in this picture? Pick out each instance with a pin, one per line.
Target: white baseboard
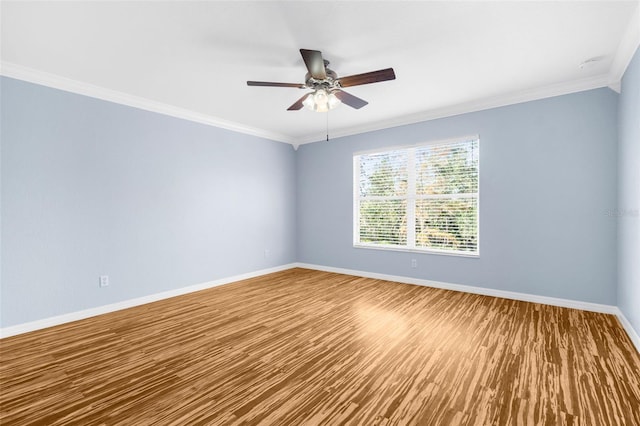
(631, 332)
(525, 297)
(565, 303)
(86, 313)
(554, 301)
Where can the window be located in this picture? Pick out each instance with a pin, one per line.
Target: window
(419, 198)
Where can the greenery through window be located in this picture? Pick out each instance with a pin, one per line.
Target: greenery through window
(419, 198)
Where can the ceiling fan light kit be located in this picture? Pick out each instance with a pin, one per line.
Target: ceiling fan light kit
(321, 101)
(326, 85)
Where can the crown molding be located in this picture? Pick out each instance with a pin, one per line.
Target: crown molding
(51, 80)
(31, 75)
(549, 91)
(626, 49)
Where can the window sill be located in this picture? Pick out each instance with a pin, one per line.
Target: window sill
(421, 251)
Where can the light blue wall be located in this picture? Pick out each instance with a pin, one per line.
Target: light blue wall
(629, 195)
(91, 187)
(547, 182)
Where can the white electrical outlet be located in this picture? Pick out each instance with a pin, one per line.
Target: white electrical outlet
(414, 263)
(104, 280)
(266, 253)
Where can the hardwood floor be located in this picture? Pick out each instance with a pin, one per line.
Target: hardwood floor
(304, 347)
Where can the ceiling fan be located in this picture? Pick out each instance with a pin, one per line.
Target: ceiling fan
(326, 85)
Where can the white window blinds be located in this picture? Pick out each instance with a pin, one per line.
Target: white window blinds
(419, 198)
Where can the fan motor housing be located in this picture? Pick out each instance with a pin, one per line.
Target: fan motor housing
(329, 83)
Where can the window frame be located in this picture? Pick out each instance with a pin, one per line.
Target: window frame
(411, 240)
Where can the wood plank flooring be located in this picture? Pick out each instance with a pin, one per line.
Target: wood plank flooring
(304, 347)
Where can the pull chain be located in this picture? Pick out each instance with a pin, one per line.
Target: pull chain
(327, 126)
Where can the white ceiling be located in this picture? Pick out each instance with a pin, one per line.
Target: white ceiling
(192, 59)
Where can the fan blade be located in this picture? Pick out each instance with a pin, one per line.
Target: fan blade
(314, 62)
(271, 84)
(349, 99)
(367, 78)
(297, 104)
